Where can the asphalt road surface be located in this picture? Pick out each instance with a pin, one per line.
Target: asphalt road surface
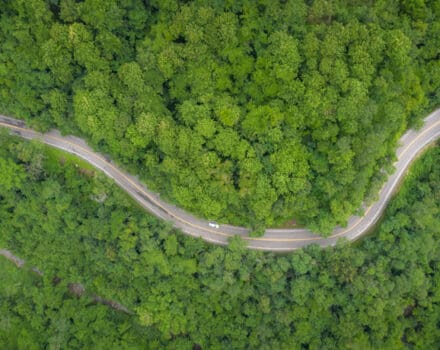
(278, 240)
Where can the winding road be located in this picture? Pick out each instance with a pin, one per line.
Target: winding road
(277, 240)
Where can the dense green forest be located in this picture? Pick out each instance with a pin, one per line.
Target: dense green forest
(250, 112)
(74, 224)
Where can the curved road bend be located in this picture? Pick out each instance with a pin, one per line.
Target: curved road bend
(274, 239)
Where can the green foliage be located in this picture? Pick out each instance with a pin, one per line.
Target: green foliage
(237, 111)
(39, 314)
(11, 174)
(72, 223)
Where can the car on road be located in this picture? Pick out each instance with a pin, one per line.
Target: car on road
(213, 224)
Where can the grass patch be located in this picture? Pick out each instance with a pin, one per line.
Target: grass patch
(55, 156)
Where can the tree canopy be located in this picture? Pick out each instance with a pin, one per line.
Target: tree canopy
(74, 224)
(247, 112)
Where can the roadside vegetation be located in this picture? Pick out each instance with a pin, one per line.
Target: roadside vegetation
(76, 226)
(246, 112)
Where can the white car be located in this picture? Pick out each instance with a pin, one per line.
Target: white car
(213, 224)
